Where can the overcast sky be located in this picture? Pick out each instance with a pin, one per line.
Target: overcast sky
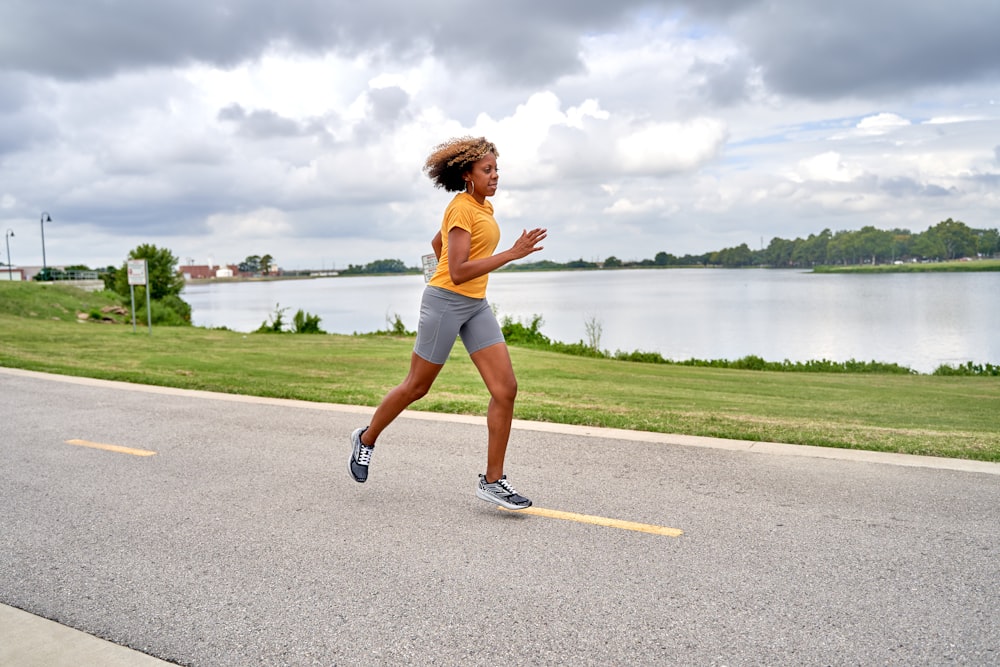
(225, 128)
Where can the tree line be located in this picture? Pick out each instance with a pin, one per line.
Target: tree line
(949, 239)
(379, 266)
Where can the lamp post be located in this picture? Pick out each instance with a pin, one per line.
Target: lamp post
(10, 271)
(45, 218)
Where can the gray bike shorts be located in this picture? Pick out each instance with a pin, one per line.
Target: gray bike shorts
(445, 315)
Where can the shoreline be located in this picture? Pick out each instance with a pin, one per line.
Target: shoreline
(972, 266)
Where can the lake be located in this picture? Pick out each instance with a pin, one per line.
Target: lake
(919, 320)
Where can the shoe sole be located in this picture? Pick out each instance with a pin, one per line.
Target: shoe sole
(490, 498)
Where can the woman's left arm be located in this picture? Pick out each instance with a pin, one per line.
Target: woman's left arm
(462, 269)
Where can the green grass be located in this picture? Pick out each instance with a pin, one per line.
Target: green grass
(910, 267)
(917, 414)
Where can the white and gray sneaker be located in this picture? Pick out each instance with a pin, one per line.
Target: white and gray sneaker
(501, 493)
(361, 456)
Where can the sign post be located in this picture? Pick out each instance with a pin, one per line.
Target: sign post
(137, 276)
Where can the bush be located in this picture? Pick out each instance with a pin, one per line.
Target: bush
(530, 335)
(517, 333)
(304, 323)
(641, 357)
(755, 363)
(171, 311)
(275, 322)
(968, 369)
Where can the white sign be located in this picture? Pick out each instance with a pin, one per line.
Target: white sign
(430, 263)
(137, 272)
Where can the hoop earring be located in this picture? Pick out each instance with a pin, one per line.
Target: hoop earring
(471, 190)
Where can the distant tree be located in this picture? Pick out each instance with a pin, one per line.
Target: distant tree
(386, 266)
(928, 246)
(741, 255)
(50, 273)
(901, 240)
(956, 237)
(612, 262)
(250, 265)
(265, 264)
(661, 259)
(694, 260)
(779, 252)
(874, 243)
(813, 250)
(987, 242)
(949, 239)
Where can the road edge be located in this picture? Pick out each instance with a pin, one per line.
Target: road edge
(774, 448)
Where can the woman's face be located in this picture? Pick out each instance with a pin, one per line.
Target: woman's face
(483, 176)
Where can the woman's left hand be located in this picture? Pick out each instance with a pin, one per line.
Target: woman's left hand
(528, 243)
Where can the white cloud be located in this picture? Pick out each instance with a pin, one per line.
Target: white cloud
(829, 166)
(882, 122)
(670, 147)
(657, 206)
(950, 120)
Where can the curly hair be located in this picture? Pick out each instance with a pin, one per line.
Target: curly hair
(453, 158)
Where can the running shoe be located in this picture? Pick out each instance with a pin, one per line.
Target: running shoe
(361, 456)
(501, 493)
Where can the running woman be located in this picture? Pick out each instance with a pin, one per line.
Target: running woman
(454, 305)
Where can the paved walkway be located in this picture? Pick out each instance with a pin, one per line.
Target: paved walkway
(27, 640)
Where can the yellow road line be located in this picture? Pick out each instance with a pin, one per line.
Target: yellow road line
(600, 521)
(111, 448)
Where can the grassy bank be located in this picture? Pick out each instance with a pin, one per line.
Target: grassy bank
(931, 267)
(941, 416)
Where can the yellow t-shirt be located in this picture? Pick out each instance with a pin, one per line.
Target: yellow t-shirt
(466, 213)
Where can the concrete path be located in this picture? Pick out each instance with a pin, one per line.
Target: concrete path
(211, 529)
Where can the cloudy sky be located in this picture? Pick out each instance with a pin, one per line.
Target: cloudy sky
(299, 128)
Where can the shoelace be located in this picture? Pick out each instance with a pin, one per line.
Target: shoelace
(505, 485)
(365, 454)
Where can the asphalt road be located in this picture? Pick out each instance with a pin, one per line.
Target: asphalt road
(243, 541)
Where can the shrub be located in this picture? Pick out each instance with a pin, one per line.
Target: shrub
(517, 333)
(305, 323)
(968, 369)
(170, 311)
(275, 322)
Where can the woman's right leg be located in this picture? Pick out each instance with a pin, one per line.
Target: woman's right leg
(416, 385)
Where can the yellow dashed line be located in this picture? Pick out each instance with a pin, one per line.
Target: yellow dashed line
(111, 448)
(600, 521)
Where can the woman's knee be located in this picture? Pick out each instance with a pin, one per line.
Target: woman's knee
(415, 388)
(419, 380)
(504, 390)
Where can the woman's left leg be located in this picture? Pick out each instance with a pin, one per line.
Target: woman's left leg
(497, 372)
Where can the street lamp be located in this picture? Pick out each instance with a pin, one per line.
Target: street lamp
(10, 271)
(45, 218)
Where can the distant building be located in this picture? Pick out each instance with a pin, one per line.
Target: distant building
(29, 272)
(208, 271)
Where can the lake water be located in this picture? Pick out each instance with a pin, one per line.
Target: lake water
(919, 320)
